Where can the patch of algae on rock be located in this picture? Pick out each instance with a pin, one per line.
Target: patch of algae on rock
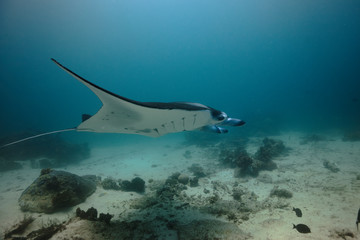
(54, 190)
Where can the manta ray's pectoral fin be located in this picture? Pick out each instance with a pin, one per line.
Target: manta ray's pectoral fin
(85, 117)
(214, 129)
(232, 122)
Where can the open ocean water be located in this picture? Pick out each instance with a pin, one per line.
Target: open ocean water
(281, 66)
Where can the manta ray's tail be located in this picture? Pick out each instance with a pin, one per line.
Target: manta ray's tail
(36, 136)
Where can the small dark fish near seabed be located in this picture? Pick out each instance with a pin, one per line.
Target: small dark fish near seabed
(298, 212)
(358, 220)
(302, 228)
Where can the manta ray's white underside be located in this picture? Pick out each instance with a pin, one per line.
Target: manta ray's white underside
(122, 115)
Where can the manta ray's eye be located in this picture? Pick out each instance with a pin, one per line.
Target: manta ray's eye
(221, 116)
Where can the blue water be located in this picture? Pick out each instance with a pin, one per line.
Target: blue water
(276, 64)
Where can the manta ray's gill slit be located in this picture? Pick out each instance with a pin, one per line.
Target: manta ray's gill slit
(156, 130)
(173, 124)
(183, 119)
(194, 119)
(164, 127)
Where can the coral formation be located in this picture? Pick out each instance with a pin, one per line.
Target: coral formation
(197, 170)
(136, 185)
(183, 178)
(271, 148)
(91, 215)
(194, 181)
(54, 190)
(170, 210)
(244, 164)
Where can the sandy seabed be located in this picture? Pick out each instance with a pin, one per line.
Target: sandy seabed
(329, 200)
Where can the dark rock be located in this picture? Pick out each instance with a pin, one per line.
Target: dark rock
(90, 214)
(136, 185)
(45, 171)
(125, 185)
(105, 218)
(54, 190)
(92, 178)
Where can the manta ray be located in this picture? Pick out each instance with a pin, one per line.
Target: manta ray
(119, 114)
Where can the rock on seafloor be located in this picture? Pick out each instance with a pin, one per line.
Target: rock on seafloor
(54, 190)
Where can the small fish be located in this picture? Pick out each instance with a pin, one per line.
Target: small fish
(358, 220)
(302, 228)
(298, 212)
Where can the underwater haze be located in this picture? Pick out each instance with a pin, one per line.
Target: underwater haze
(275, 64)
(289, 68)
